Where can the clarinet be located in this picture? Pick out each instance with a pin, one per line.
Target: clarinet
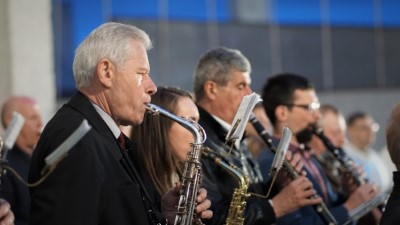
(192, 172)
(346, 162)
(321, 208)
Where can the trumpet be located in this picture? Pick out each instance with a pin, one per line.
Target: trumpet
(192, 172)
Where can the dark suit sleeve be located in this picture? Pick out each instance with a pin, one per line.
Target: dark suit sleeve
(8, 188)
(73, 191)
(12, 190)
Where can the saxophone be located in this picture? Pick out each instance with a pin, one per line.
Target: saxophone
(192, 173)
(240, 195)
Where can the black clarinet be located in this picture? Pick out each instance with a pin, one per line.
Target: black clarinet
(341, 156)
(346, 163)
(321, 208)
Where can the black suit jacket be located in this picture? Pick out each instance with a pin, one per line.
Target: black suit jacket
(391, 215)
(91, 185)
(220, 184)
(12, 189)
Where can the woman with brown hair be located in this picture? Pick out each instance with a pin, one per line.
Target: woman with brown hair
(163, 144)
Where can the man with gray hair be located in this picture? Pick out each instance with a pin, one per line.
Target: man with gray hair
(221, 80)
(98, 183)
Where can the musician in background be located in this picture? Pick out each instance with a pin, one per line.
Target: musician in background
(18, 158)
(361, 130)
(391, 215)
(97, 183)
(221, 79)
(333, 125)
(163, 144)
(290, 101)
(6, 215)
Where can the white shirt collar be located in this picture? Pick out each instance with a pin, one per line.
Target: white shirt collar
(227, 127)
(224, 124)
(108, 120)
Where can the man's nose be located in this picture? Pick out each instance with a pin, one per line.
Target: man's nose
(316, 114)
(248, 90)
(151, 88)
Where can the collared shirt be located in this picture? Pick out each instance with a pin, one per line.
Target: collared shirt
(373, 165)
(108, 120)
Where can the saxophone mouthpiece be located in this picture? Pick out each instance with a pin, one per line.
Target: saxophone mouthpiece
(153, 109)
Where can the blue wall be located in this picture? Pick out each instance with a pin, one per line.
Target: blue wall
(84, 16)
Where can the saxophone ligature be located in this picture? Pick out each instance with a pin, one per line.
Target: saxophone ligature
(192, 172)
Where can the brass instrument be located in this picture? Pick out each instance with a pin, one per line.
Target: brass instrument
(321, 208)
(192, 173)
(240, 195)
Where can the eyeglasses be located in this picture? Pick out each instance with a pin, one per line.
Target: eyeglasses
(310, 107)
(374, 127)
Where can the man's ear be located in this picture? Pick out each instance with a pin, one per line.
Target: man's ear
(105, 72)
(210, 89)
(281, 113)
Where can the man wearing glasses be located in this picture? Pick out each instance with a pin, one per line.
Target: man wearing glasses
(290, 101)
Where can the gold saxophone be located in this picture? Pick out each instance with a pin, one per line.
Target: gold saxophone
(240, 195)
(192, 172)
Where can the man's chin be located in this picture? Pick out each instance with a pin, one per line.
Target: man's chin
(133, 122)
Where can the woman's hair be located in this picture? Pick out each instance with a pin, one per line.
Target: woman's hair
(154, 147)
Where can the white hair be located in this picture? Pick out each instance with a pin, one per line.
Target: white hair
(109, 41)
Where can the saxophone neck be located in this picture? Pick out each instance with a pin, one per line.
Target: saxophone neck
(198, 132)
(191, 174)
(220, 160)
